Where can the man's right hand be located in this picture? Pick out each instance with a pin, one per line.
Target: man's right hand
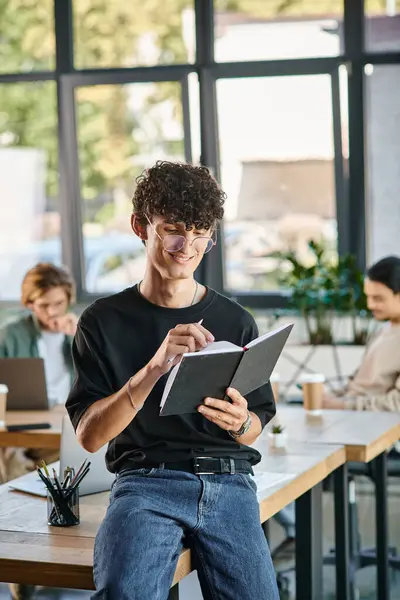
(181, 339)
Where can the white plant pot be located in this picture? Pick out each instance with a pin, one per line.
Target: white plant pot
(277, 440)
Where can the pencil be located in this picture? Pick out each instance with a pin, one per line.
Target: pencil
(77, 481)
(79, 471)
(44, 467)
(48, 485)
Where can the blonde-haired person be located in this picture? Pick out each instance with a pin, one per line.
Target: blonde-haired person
(47, 292)
(47, 332)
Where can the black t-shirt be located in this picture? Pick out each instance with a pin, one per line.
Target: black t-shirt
(116, 337)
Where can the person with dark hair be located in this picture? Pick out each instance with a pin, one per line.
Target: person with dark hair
(376, 384)
(387, 273)
(179, 478)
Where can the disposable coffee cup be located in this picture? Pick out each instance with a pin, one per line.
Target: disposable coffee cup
(313, 391)
(3, 404)
(274, 380)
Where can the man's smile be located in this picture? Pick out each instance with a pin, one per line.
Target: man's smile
(182, 260)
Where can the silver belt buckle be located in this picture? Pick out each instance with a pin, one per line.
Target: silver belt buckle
(195, 465)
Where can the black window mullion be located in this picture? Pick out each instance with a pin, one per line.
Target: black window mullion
(187, 135)
(27, 77)
(114, 76)
(354, 49)
(69, 199)
(211, 270)
(342, 209)
(276, 68)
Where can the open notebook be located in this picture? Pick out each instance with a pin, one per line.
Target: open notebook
(220, 365)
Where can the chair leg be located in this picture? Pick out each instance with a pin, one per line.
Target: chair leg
(354, 542)
(361, 557)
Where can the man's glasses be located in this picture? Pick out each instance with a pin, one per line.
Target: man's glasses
(174, 243)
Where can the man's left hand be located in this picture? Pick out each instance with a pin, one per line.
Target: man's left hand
(227, 415)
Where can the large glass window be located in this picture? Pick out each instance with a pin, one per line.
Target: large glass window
(276, 150)
(121, 33)
(122, 130)
(26, 36)
(382, 25)
(30, 222)
(276, 29)
(383, 151)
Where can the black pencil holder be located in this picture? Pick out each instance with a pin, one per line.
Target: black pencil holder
(63, 508)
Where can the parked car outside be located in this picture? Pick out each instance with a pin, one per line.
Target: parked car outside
(112, 262)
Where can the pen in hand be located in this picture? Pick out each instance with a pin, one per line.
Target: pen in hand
(170, 360)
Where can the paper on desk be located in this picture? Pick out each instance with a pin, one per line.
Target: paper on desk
(266, 480)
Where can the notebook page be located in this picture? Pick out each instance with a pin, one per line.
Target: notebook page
(220, 347)
(171, 378)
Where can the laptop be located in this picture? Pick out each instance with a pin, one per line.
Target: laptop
(26, 382)
(98, 479)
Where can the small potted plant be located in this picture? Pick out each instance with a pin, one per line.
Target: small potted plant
(277, 436)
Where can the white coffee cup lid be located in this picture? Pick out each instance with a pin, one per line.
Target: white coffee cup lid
(312, 378)
(3, 388)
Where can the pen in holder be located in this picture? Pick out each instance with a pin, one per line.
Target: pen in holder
(63, 514)
(63, 498)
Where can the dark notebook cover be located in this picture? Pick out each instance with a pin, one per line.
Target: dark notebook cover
(203, 374)
(259, 360)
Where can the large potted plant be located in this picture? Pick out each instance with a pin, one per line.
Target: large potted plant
(326, 293)
(325, 290)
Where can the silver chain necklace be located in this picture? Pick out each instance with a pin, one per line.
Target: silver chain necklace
(194, 295)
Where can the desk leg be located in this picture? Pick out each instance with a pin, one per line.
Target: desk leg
(265, 527)
(309, 545)
(342, 533)
(174, 592)
(381, 516)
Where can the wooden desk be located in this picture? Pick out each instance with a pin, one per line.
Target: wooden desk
(364, 434)
(66, 555)
(366, 437)
(37, 438)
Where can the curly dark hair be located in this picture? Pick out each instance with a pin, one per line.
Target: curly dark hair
(180, 192)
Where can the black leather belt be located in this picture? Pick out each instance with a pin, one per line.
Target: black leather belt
(203, 465)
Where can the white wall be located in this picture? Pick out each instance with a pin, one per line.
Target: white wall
(383, 161)
(22, 196)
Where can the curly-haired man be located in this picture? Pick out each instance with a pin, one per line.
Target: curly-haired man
(179, 477)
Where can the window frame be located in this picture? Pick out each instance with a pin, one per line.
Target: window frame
(350, 182)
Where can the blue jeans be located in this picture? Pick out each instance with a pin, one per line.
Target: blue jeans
(153, 511)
